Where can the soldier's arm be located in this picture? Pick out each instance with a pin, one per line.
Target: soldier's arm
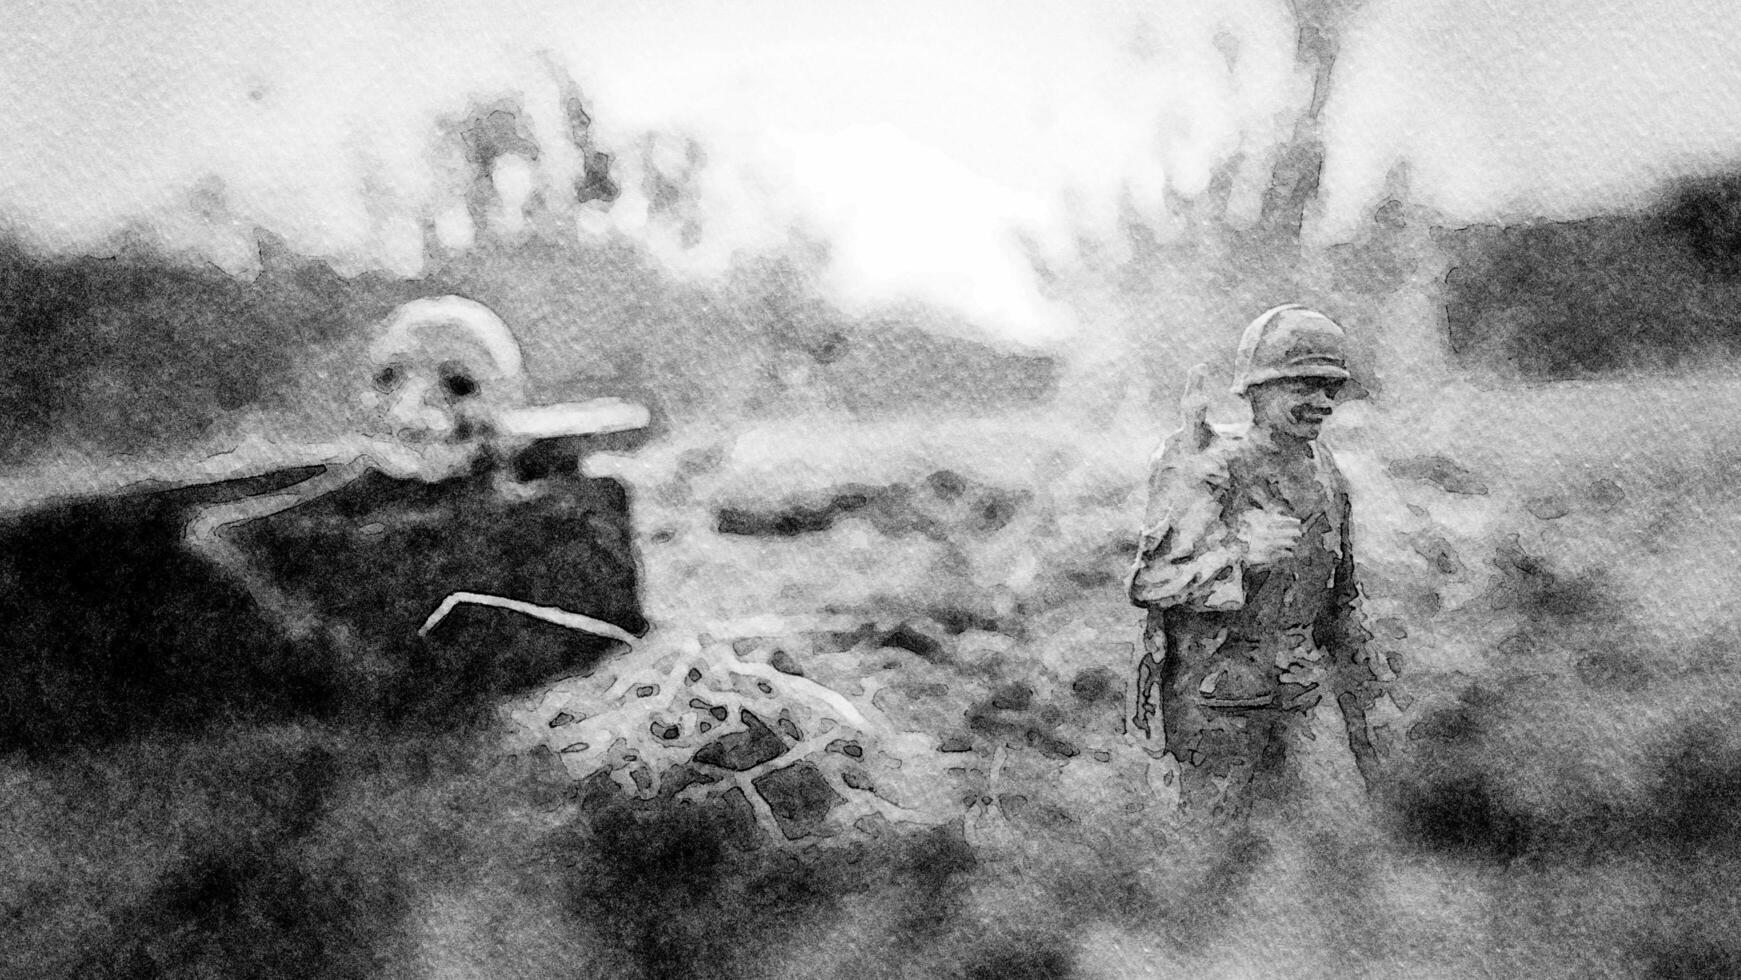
(1188, 554)
(1356, 680)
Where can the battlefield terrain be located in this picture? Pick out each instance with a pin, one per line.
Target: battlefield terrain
(936, 529)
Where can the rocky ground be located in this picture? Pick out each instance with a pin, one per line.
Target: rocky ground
(919, 643)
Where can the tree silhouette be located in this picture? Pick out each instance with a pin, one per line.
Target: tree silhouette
(1294, 179)
(1706, 215)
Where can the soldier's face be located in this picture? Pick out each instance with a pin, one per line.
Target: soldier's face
(436, 395)
(1295, 408)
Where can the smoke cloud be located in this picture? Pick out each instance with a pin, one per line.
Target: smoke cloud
(934, 152)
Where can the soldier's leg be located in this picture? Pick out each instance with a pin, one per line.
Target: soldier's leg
(1219, 752)
(1353, 705)
(1276, 779)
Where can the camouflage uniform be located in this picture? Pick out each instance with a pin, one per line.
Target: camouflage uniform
(1238, 656)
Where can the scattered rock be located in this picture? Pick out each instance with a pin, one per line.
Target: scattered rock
(1390, 629)
(946, 484)
(1532, 583)
(909, 638)
(1607, 494)
(782, 661)
(1549, 508)
(1013, 697)
(716, 710)
(1052, 746)
(1520, 644)
(1090, 578)
(958, 619)
(795, 519)
(744, 750)
(799, 796)
(1096, 684)
(846, 747)
(993, 511)
(940, 506)
(920, 690)
(684, 776)
(1439, 554)
(857, 779)
(956, 742)
(872, 825)
(1446, 474)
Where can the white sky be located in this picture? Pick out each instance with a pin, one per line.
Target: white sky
(917, 138)
(1555, 108)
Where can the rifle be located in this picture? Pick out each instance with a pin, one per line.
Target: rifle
(1192, 438)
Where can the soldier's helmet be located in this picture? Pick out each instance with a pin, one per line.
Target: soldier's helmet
(1290, 341)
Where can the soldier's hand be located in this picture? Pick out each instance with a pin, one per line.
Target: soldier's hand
(1269, 537)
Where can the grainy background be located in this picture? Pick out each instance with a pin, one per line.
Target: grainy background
(912, 291)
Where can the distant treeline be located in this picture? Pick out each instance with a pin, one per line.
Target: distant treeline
(142, 351)
(1555, 300)
(134, 351)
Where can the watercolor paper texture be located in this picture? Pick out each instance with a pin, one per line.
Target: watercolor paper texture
(824, 489)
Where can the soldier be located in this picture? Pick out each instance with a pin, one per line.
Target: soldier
(1246, 569)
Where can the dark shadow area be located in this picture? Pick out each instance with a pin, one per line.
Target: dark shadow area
(1549, 598)
(1463, 816)
(1692, 960)
(253, 903)
(272, 856)
(1659, 290)
(379, 555)
(145, 350)
(141, 349)
(1698, 801)
(1706, 215)
(943, 505)
(686, 890)
(117, 628)
(1477, 788)
(797, 518)
(1030, 960)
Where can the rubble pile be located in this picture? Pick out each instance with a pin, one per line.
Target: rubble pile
(693, 720)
